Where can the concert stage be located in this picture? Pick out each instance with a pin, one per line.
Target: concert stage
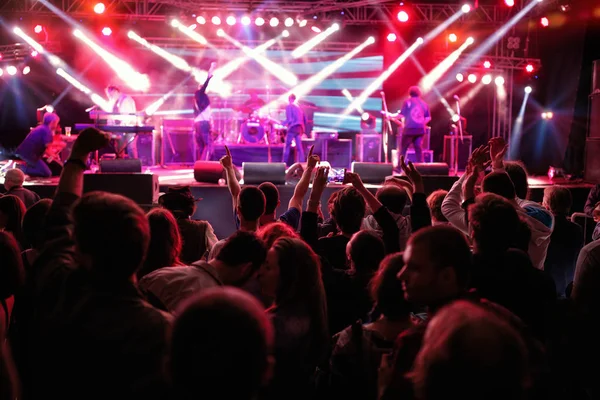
(215, 205)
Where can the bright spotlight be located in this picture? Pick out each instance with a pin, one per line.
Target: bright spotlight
(34, 53)
(455, 118)
(509, 3)
(487, 64)
(370, 40)
(472, 78)
(402, 16)
(452, 37)
(528, 89)
(529, 68)
(220, 32)
(466, 8)
(259, 21)
(216, 20)
(460, 77)
(274, 22)
(420, 40)
(11, 70)
(245, 20)
(49, 108)
(486, 80)
(106, 31)
(285, 33)
(550, 114)
(289, 22)
(392, 37)
(545, 22)
(38, 29)
(230, 20)
(499, 81)
(26, 70)
(302, 23)
(544, 115)
(99, 8)
(365, 116)
(316, 29)
(201, 20)
(470, 41)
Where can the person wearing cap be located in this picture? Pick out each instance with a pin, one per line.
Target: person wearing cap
(198, 236)
(32, 149)
(13, 183)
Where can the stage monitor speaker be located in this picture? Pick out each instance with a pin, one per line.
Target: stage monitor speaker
(432, 168)
(141, 188)
(465, 148)
(369, 148)
(179, 144)
(145, 149)
(372, 172)
(133, 165)
(594, 116)
(592, 161)
(257, 173)
(208, 171)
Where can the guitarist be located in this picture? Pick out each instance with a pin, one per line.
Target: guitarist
(412, 119)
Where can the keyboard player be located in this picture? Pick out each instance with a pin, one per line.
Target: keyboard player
(123, 104)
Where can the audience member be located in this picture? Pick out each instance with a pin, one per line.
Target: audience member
(197, 237)
(292, 276)
(33, 147)
(435, 200)
(519, 177)
(13, 183)
(357, 350)
(238, 260)
(566, 240)
(12, 278)
(12, 210)
(469, 353)
(34, 218)
(592, 200)
(221, 347)
(275, 230)
(93, 333)
(165, 242)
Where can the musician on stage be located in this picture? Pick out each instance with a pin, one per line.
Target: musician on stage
(202, 120)
(123, 104)
(35, 145)
(254, 103)
(295, 120)
(415, 116)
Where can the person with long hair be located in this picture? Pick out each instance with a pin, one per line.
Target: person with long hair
(292, 275)
(12, 210)
(165, 242)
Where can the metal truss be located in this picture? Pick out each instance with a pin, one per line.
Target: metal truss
(499, 63)
(20, 51)
(349, 12)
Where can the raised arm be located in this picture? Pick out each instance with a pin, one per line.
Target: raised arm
(211, 71)
(232, 182)
(302, 186)
(420, 215)
(309, 226)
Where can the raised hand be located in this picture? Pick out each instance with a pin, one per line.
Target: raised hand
(312, 160)
(478, 158)
(498, 149)
(89, 140)
(211, 70)
(320, 180)
(226, 160)
(411, 172)
(354, 179)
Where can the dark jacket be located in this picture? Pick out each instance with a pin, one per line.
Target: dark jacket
(28, 197)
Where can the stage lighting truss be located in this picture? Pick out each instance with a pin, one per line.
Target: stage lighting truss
(499, 63)
(19, 52)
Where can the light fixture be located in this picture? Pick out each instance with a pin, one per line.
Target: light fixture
(38, 29)
(392, 37)
(472, 78)
(402, 16)
(529, 68)
(528, 89)
(499, 81)
(99, 8)
(545, 22)
(11, 70)
(230, 20)
(509, 3)
(487, 64)
(216, 20)
(289, 22)
(460, 77)
(245, 20)
(106, 31)
(316, 29)
(487, 79)
(201, 20)
(470, 40)
(452, 37)
(274, 22)
(26, 70)
(259, 21)
(285, 33)
(466, 8)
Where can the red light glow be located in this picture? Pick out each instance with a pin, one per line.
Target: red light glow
(403, 16)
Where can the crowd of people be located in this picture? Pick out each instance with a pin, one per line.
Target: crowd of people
(474, 293)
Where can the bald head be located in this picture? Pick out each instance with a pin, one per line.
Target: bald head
(13, 177)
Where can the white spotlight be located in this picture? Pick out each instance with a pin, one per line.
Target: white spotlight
(289, 22)
(11, 70)
(486, 80)
(499, 81)
(245, 20)
(466, 8)
(472, 78)
(216, 20)
(470, 41)
(201, 20)
(371, 40)
(285, 33)
(528, 89)
(365, 116)
(220, 32)
(420, 40)
(230, 20)
(274, 22)
(455, 118)
(303, 23)
(460, 77)
(26, 70)
(259, 21)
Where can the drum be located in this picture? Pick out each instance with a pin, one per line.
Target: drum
(253, 131)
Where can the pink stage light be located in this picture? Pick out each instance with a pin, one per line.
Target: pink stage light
(510, 3)
(230, 20)
(11, 70)
(38, 29)
(316, 29)
(487, 64)
(34, 53)
(529, 68)
(452, 37)
(259, 21)
(545, 22)
(201, 20)
(106, 31)
(245, 20)
(99, 8)
(392, 37)
(216, 20)
(402, 16)
(26, 70)
(274, 22)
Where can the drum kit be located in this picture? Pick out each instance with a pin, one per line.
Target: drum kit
(247, 126)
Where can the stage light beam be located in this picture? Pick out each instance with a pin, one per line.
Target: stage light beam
(528, 89)
(189, 32)
(429, 80)
(313, 42)
(245, 20)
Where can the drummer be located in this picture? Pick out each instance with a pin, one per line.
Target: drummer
(253, 104)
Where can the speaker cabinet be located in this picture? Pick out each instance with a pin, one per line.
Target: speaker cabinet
(121, 165)
(178, 142)
(208, 171)
(592, 160)
(369, 148)
(372, 172)
(465, 148)
(141, 188)
(432, 168)
(257, 173)
(145, 149)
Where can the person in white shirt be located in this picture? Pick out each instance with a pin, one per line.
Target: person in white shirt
(123, 105)
(202, 120)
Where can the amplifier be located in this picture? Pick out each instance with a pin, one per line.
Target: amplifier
(178, 146)
(465, 148)
(369, 147)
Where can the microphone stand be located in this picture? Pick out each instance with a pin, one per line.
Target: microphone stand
(460, 131)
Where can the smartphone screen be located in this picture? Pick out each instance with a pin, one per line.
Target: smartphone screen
(336, 175)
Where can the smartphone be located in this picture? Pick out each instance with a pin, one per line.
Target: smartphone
(336, 175)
